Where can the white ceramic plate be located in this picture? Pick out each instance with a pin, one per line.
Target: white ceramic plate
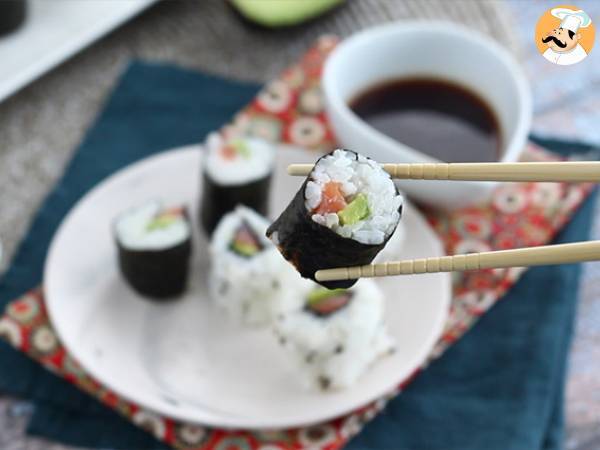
(53, 32)
(185, 359)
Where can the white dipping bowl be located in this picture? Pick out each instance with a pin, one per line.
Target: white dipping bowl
(428, 49)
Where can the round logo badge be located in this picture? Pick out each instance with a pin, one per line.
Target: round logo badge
(564, 35)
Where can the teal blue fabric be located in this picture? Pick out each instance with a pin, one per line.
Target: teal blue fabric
(500, 387)
(153, 108)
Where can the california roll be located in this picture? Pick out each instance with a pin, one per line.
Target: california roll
(249, 279)
(336, 335)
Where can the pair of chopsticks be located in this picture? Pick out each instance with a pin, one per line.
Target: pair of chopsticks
(571, 171)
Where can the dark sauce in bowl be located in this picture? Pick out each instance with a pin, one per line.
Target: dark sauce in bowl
(439, 118)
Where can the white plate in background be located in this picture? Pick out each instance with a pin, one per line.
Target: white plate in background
(53, 31)
(184, 359)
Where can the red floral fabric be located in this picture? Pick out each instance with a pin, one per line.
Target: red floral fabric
(290, 110)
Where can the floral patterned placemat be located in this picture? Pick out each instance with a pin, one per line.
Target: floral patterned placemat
(290, 110)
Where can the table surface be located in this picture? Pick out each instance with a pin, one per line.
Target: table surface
(42, 125)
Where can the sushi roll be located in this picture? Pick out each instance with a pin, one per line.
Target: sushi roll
(154, 248)
(343, 215)
(336, 336)
(249, 278)
(236, 171)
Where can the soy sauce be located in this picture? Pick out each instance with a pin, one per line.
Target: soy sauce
(439, 118)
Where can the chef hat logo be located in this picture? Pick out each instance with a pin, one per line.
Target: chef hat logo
(570, 19)
(565, 35)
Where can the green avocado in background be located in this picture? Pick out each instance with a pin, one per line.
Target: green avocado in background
(280, 13)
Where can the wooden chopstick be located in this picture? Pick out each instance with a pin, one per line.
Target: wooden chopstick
(569, 171)
(522, 257)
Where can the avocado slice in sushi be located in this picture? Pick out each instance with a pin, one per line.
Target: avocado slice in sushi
(357, 210)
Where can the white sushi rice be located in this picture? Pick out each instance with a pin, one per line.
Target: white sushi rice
(251, 290)
(362, 175)
(394, 247)
(131, 229)
(256, 164)
(332, 352)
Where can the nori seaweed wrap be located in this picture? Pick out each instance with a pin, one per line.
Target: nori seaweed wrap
(343, 215)
(219, 199)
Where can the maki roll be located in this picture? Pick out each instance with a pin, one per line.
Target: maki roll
(337, 334)
(236, 171)
(154, 248)
(249, 279)
(343, 215)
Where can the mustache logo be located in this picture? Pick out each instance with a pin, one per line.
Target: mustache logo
(555, 40)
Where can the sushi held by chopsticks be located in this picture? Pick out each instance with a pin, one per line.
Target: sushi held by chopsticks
(343, 215)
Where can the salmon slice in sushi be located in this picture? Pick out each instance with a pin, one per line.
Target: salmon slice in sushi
(343, 215)
(154, 249)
